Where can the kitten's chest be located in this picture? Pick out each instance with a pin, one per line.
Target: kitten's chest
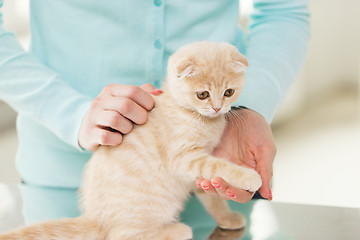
(194, 133)
(211, 132)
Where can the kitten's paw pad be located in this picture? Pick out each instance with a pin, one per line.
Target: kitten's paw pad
(232, 221)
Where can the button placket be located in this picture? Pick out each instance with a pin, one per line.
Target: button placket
(158, 42)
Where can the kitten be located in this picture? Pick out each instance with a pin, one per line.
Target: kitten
(137, 189)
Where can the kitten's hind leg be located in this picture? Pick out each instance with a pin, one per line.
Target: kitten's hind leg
(175, 231)
(220, 211)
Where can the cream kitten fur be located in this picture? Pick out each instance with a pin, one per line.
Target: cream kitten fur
(137, 190)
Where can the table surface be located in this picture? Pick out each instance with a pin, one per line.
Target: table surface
(265, 220)
(280, 221)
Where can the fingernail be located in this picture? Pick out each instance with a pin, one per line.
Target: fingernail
(199, 185)
(231, 195)
(216, 185)
(205, 187)
(156, 92)
(270, 196)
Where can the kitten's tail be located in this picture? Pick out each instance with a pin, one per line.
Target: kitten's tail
(65, 229)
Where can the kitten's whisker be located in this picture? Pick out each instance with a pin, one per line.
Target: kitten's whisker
(242, 119)
(237, 118)
(198, 116)
(228, 117)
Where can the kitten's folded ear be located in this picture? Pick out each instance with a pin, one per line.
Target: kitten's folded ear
(186, 68)
(240, 62)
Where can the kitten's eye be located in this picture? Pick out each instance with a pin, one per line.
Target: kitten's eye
(203, 95)
(229, 92)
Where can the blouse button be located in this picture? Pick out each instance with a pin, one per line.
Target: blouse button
(157, 44)
(157, 3)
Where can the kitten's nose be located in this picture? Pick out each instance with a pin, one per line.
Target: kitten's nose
(216, 109)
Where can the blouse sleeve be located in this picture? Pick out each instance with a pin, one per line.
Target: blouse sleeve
(276, 45)
(36, 91)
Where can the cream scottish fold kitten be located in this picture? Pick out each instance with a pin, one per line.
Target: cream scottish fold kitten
(137, 190)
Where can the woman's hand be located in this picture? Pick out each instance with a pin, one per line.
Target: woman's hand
(247, 141)
(113, 113)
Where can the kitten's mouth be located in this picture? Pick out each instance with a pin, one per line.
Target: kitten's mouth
(215, 114)
(212, 114)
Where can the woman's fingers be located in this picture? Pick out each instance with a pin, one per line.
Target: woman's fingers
(102, 136)
(135, 93)
(109, 138)
(264, 166)
(147, 87)
(115, 121)
(219, 187)
(207, 187)
(113, 112)
(239, 195)
(127, 108)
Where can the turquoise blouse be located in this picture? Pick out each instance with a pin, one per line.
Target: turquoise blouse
(80, 46)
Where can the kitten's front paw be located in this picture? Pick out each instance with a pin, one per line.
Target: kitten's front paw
(252, 181)
(245, 178)
(231, 221)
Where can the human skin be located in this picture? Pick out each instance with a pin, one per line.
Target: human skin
(247, 141)
(113, 113)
